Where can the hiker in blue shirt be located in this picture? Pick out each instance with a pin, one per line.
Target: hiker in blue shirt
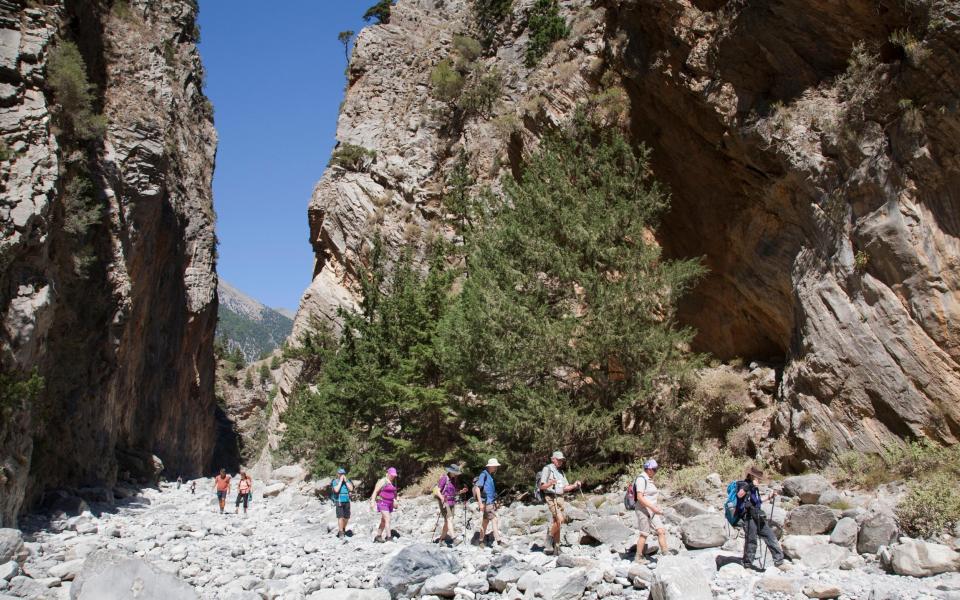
(340, 488)
(485, 491)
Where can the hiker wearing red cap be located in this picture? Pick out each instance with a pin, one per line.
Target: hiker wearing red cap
(649, 515)
(384, 500)
(552, 485)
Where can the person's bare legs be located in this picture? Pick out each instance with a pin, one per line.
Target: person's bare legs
(662, 539)
(496, 528)
(641, 545)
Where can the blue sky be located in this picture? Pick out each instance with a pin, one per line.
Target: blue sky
(275, 77)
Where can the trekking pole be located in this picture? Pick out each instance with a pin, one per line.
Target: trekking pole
(763, 560)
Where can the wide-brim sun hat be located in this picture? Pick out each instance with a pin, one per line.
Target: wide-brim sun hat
(392, 471)
(454, 469)
(493, 463)
(558, 455)
(651, 464)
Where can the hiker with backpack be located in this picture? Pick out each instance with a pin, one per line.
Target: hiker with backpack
(649, 515)
(340, 488)
(485, 491)
(384, 501)
(446, 492)
(222, 484)
(552, 484)
(244, 489)
(744, 506)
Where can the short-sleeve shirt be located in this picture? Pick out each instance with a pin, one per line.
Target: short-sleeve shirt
(646, 488)
(343, 494)
(448, 490)
(223, 483)
(551, 472)
(487, 487)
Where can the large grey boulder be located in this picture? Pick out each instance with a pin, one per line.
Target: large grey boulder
(11, 546)
(810, 519)
(608, 530)
(876, 530)
(704, 531)
(918, 558)
(415, 564)
(112, 575)
(814, 551)
(808, 488)
(679, 578)
(845, 533)
(290, 474)
(562, 583)
(688, 507)
(441, 584)
(273, 489)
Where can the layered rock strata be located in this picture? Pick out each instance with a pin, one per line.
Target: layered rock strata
(115, 307)
(811, 149)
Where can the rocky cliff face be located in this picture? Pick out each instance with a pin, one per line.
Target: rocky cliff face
(811, 149)
(108, 292)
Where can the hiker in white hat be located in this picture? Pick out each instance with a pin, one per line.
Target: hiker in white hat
(649, 515)
(552, 485)
(485, 491)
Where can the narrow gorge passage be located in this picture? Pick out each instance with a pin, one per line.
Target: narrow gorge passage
(720, 236)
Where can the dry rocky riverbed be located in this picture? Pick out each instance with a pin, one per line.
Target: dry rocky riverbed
(167, 543)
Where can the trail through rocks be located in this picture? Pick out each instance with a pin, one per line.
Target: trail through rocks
(171, 544)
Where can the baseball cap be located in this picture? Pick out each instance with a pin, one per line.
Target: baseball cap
(558, 455)
(341, 471)
(651, 464)
(392, 471)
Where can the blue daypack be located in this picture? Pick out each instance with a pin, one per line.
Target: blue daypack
(731, 510)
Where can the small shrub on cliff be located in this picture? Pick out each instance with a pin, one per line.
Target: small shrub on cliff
(546, 26)
(446, 82)
(488, 15)
(352, 157)
(913, 49)
(248, 380)
(73, 92)
(930, 507)
(264, 373)
(379, 12)
(467, 47)
(17, 391)
(481, 92)
(691, 480)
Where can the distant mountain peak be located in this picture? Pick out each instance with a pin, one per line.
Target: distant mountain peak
(248, 324)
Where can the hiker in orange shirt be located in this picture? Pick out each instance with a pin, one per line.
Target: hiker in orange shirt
(222, 483)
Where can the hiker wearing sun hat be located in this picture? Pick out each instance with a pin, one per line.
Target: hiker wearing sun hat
(485, 491)
(447, 490)
(552, 485)
(384, 500)
(649, 515)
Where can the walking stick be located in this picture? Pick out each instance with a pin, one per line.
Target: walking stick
(763, 560)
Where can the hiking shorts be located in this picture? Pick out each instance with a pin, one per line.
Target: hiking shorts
(221, 494)
(446, 511)
(555, 504)
(490, 509)
(343, 510)
(647, 524)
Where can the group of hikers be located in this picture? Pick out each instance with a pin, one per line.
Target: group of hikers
(551, 487)
(744, 506)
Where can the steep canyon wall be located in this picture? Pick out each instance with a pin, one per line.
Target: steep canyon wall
(108, 289)
(811, 148)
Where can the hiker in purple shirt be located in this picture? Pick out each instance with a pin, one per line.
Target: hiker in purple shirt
(446, 492)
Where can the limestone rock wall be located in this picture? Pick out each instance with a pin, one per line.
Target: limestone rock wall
(118, 320)
(811, 149)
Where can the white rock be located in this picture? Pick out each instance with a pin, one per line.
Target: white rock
(679, 578)
(442, 584)
(9, 570)
(922, 559)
